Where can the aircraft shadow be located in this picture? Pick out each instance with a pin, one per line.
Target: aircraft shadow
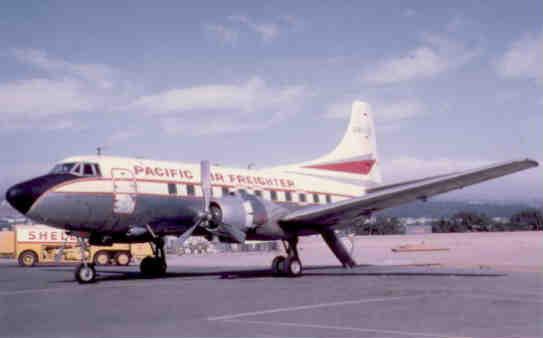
(311, 271)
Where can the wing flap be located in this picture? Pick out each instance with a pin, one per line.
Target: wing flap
(396, 194)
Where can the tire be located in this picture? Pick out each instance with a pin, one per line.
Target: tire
(85, 274)
(152, 267)
(28, 258)
(292, 267)
(122, 258)
(101, 258)
(277, 265)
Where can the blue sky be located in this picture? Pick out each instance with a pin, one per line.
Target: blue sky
(451, 87)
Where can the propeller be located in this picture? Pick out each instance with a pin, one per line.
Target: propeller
(210, 217)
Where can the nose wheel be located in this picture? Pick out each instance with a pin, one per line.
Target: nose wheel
(85, 272)
(289, 266)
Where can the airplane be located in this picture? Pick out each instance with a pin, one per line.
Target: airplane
(105, 200)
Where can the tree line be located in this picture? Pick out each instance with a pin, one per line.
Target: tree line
(463, 221)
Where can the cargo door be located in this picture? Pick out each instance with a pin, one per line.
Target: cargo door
(124, 191)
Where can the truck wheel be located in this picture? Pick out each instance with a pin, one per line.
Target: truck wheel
(101, 258)
(28, 258)
(122, 258)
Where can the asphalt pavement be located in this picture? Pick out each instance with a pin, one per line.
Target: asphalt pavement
(328, 301)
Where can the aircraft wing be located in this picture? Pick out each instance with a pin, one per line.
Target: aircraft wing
(343, 213)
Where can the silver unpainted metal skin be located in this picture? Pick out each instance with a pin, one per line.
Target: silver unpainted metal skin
(168, 215)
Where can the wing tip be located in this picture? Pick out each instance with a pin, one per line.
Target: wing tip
(530, 162)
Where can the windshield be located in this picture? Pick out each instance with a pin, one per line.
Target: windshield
(62, 168)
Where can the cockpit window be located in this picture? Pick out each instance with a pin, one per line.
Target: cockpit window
(77, 168)
(88, 170)
(63, 168)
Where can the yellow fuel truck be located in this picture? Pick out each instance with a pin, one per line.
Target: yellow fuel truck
(36, 243)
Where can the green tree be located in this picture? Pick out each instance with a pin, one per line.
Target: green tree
(529, 219)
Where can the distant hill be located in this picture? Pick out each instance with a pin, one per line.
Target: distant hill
(436, 209)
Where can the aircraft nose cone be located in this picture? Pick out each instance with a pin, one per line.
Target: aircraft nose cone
(20, 197)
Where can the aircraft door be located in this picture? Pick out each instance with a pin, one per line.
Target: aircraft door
(125, 190)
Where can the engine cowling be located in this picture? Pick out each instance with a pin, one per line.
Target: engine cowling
(241, 210)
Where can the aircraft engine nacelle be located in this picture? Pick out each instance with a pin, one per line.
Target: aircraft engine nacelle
(252, 215)
(241, 210)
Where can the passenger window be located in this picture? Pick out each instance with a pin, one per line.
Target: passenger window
(172, 189)
(190, 190)
(316, 198)
(288, 196)
(273, 195)
(225, 191)
(242, 192)
(87, 170)
(328, 199)
(302, 198)
(258, 193)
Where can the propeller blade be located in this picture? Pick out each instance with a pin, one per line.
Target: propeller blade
(233, 232)
(205, 178)
(184, 236)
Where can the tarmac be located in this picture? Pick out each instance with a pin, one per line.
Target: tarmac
(232, 295)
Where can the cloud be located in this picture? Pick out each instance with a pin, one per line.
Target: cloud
(523, 58)
(224, 34)
(267, 31)
(385, 113)
(221, 108)
(98, 75)
(435, 55)
(61, 89)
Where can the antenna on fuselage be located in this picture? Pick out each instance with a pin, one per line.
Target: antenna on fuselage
(99, 150)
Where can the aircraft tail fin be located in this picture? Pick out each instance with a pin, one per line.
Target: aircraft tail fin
(355, 156)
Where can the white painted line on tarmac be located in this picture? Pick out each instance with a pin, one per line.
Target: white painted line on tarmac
(345, 328)
(312, 306)
(516, 299)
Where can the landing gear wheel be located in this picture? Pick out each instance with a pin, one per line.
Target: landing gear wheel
(153, 267)
(292, 267)
(122, 258)
(101, 258)
(85, 273)
(277, 265)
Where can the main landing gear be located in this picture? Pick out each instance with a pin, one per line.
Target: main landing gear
(291, 265)
(155, 266)
(85, 272)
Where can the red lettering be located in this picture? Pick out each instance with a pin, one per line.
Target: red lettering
(138, 169)
(219, 177)
(159, 172)
(173, 172)
(290, 183)
(54, 236)
(261, 180)
(269, 181)
(42, 236)
(250, 180)
(188, 174)
(31, 235)
(241, 179)
(149, 171)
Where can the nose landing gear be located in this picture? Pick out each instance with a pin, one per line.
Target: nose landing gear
(85, 272)
(291, 265)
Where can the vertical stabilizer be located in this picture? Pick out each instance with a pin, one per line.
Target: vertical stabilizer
(354, 158)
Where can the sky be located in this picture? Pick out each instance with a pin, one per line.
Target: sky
(452, 85)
